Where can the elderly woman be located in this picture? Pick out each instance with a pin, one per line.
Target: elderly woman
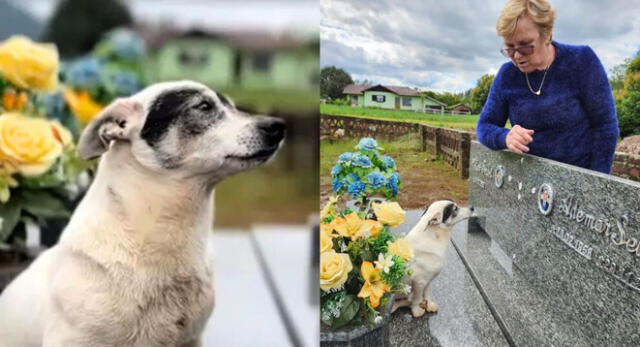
(556, 96)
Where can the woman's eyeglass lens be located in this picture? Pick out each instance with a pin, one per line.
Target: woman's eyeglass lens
(524, 50)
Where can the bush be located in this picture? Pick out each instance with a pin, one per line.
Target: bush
(628, 106)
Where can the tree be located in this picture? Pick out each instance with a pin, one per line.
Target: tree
(480, 93)
(77, 25)
(365, 82)
(332, 82)
(628, 100)
(617, 75)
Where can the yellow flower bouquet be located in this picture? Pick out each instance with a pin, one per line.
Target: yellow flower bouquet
(361, 262)
(38, 163)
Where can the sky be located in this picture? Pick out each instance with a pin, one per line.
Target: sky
(448, 45)
(274, 15)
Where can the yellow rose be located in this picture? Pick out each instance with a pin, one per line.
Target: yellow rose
(401, 248)
(326, 242)
(334, 270)
(389, 213)
(82, 105)
(29, 65)
(29, 144)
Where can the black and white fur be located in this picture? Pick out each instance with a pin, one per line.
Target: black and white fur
(132, 268)
(429, 240)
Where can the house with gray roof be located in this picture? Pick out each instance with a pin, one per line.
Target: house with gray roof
(390, 97)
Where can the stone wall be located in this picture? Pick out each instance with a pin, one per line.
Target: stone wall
(626, 165)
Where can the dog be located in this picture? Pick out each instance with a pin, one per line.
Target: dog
(429, 240)
(132, 267)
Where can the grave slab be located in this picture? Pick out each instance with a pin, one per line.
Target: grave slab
(565, 269)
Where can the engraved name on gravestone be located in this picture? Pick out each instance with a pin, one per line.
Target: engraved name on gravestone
(573, 233)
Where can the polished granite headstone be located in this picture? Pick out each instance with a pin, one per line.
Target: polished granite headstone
(567, 241)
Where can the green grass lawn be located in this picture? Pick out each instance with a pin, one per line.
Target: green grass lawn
(462, 122)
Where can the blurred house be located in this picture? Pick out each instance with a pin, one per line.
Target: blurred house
(14, 20)
(460, 109)
(235, 60)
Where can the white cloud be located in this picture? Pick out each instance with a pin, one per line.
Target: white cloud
(449, 45)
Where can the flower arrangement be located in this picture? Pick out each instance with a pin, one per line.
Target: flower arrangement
(366, 172)
(361, 262)
(38, 164)
(41, 119)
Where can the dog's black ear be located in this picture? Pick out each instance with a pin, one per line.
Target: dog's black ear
(116, 122)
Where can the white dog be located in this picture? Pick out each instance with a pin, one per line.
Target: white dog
(429, 240)
(131, 267)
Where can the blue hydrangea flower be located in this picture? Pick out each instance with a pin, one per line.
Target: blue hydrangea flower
(336, 170)
(352, 177)
(124, 83)
(54, 105)
(367, 144)
(375, 179)
(361, 160)
(356, 189)
(84, 73)
(345, 157)
(393, 182)
(126, 44)
(388, 162)
(337, 185)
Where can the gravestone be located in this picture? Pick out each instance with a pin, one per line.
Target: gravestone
(562, 262)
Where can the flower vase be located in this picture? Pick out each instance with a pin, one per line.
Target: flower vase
(363, 335)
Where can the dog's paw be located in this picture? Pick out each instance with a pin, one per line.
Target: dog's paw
(431, 306)
(417, 311)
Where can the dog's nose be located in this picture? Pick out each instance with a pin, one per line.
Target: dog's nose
(272, 130)
(471, 208)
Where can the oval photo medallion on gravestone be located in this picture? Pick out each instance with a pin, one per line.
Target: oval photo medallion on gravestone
(498, 176)
(545, 198)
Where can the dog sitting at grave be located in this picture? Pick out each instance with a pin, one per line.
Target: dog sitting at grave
(429, 240)
(133, 266)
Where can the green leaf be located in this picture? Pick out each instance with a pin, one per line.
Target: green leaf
(52, 178)
(10, 214)
(44, 205)
(350, 308)
(339, 310)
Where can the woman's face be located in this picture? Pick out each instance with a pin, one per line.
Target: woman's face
(526, 35)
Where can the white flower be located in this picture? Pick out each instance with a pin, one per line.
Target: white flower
(384, 263)
(406, 289)
(377, 320)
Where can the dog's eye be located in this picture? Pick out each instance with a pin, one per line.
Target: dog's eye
(204, 106)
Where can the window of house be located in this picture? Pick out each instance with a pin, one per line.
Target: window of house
(262, 61)
(378, 98)
(193, 57)
(406, 101)
(354, 99)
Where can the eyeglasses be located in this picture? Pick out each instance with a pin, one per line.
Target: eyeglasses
(523, 50)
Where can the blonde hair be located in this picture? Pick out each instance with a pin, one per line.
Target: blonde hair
(540, 12)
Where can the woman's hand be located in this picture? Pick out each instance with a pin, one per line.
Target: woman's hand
(518, 138)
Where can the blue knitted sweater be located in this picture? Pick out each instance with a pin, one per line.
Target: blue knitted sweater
(574, 118)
